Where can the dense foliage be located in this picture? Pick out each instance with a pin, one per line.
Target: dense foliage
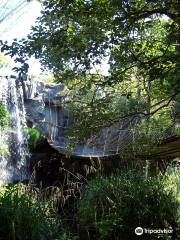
(111, 208)
(25, 215)
(138, 39)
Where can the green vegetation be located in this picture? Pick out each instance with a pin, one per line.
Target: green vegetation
(34, 136)
(4, 116)
(109, 208)
(140, 41)
(4, 121)
(93, 107)
(24, 214)
(115, 206)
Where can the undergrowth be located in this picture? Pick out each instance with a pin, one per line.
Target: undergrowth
(25, 215)
(107, 208)
(112, 207)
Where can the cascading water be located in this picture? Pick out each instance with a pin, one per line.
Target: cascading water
(13, 138)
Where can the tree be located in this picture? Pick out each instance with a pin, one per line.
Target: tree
(140, 39)
(73, 36)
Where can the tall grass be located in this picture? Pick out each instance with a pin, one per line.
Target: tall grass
(109, 208)
(112, 207)
(25, 215)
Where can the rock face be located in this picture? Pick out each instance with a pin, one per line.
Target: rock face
(116, 137)
(44, 109)
(44, 104)
(14, 152)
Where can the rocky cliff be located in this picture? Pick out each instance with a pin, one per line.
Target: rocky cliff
(45, 110)
(45, 106)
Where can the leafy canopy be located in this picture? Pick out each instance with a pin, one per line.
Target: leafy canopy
(140, 39)
(73, 36)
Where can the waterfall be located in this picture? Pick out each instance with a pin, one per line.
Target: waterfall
(13, 138)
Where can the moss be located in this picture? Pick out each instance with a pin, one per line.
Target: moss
(4, 116)
(34, 136)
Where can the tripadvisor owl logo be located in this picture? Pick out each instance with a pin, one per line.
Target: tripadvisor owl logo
(139, 231)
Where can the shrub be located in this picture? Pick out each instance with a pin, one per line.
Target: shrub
(112, 207)
(34, 136)
(171, 183)
(24, 215)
